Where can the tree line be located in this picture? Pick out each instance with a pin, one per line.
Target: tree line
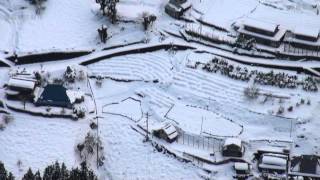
(54, 171)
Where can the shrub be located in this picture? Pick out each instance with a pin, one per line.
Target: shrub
(7, 119)
(251, 92)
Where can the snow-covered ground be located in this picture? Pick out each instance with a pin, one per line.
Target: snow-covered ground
(159, 84)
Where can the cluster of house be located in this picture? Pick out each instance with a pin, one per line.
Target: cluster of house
(273, 35)
(273, 162)
(28, 89)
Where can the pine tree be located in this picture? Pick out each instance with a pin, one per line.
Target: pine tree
(3, 171)
(64, 171)
(37, 176)
(10, 176)
(56, 173)
(29, 175)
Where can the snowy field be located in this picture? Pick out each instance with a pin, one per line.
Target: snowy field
(161, 86)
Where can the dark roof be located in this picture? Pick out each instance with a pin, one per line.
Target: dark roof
(308, 164)
(55, 93)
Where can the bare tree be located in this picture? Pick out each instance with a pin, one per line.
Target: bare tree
(251, 92)
(148, 20)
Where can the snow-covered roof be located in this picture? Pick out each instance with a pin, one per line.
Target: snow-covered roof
(274, 160)
(273, 149)
(309, 32)
(234, 141)
(74, 95)
(171, 131)
(259, 24)
(185, 5)
(276, 37)
(240, 166)
(271, 166)
(21, 83)
(168, 128)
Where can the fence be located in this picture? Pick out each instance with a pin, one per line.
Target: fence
(287, 48)
(200, 142)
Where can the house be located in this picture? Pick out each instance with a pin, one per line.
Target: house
(305, 38)
(20, 86)
(233, 147)
(305, 167)
(264, 33)
(167, 132)
(176, 8)
(242, 170)
(53, 95)
(273, 163)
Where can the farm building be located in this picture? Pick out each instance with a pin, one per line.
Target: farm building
(176, 8)
(273, 163)
(242, 169)
(262, 32)
(26, 85)
(17, 87)
(233, 147)
(305, 167)
(304, 38)
(167, 132)
(53, 95)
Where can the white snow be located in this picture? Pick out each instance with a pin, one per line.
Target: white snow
(21, 83)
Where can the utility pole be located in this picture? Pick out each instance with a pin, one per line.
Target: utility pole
(98, 139)
(96, 117)
(201, 125)
(147, 123)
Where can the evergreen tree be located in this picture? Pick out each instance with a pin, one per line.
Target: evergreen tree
(10, 176)
(3, 171)
(64, 171)
(56, 173)
(37, 176)
(29, 175)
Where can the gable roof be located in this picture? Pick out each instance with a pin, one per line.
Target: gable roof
(305, 165)
(270, 27)
(233, 141)
(55, 93)
(308, 164)
(21, 83)
(309, 32)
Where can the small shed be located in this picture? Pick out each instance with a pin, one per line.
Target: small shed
(233, 147)
(167, 132)
(54, 95)
(176, 8)
(242, 168)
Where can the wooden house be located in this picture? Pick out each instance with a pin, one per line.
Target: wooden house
(233, 147)
(242, 170)
(305, 167)
(19, 87)
(176, 8)
(304, 38)
(167, 132)
(264, 33)
(53, 95)
(273, 163)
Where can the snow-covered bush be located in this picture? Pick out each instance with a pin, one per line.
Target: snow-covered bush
(70, 74)
(251, 92)
(79, 111)
(7, 118)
